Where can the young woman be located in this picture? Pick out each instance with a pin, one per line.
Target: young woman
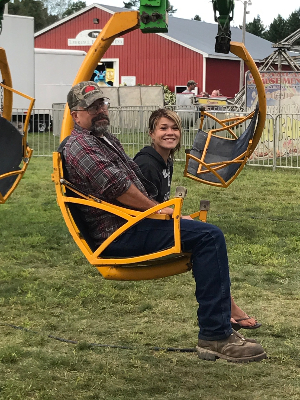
(156, 161)
(156, 164)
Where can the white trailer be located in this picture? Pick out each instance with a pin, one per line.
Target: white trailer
(55, 71)
(45, 74)
(17, 39)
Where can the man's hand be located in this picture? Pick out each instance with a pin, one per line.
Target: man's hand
(136, 199)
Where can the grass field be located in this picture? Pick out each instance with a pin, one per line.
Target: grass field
(55, 307)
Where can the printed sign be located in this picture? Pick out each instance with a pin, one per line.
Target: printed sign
(287, 137)
(88, 37)
(282, 91)
(110, 74)
(128, 80)
(212, 101)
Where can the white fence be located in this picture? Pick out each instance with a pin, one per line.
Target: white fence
(279, 145)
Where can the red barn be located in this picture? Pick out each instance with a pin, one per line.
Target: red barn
(185, 52)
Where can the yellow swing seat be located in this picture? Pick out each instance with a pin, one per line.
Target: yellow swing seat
(217, 160)
(163, 263)
(15, 153)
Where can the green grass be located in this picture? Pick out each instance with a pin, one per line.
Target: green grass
(48, 288)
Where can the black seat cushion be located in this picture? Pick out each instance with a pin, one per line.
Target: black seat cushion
(10, 153)
(220, 149)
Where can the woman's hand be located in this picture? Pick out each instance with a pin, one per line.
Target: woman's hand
(166, 210)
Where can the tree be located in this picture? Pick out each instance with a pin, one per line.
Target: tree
(57, 7)
(44, 12)
(277, 30)
(131, 4)
(74, 7)
(197, 18)
(32, 8)
(293, 24)
(293, 21)
(170, 8)
(256, 27)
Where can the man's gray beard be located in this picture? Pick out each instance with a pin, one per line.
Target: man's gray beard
(100, 130)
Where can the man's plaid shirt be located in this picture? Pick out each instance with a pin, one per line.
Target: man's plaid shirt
(104, 171)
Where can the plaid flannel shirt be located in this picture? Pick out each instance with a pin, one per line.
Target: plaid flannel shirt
(104, 171)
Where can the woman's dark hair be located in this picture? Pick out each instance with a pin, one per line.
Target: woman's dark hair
(171, 115)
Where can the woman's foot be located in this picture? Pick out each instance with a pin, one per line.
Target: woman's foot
(239, 319)
(245, 323)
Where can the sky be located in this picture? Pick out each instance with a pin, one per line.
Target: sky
(268, 10)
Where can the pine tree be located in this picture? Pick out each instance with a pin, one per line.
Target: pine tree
(256, 27)
(33, 8)
(170, 8)
(293, 24)
(277, 30)
(74, 7)
(131, 4)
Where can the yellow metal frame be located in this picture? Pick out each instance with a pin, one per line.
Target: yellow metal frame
(119, 24)
(163, 263)
(7, 113)
(6, 77)
(227, 124)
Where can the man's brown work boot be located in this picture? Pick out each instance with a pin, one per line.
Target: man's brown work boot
(235, 348)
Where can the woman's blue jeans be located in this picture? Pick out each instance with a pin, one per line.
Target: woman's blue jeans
(206, 242)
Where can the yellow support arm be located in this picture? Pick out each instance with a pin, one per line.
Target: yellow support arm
(119, 24)
(6, 78)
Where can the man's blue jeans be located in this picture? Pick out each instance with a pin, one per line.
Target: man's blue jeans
(206, 242)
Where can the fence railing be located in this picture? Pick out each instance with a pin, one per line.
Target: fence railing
(279, 145)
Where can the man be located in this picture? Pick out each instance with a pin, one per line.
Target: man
(191, 85)
(97, 164)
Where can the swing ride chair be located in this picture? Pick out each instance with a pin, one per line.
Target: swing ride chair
(217, 160)
(172, 260)
(163, 263)
(15, 153)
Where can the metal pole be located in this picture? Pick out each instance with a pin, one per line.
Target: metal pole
(242, 69)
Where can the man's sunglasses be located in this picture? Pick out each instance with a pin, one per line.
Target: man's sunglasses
(93, 109)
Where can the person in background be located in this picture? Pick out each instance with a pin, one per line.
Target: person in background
(156, 164)
(97, 164)
(216, 93)
(203, 94)
(191, 85)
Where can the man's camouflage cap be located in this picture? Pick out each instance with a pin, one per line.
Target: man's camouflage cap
(84, 94)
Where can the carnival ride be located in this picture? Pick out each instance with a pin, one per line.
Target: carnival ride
(15, 153)
(169, 261)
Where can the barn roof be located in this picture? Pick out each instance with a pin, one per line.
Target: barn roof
(198, 36)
